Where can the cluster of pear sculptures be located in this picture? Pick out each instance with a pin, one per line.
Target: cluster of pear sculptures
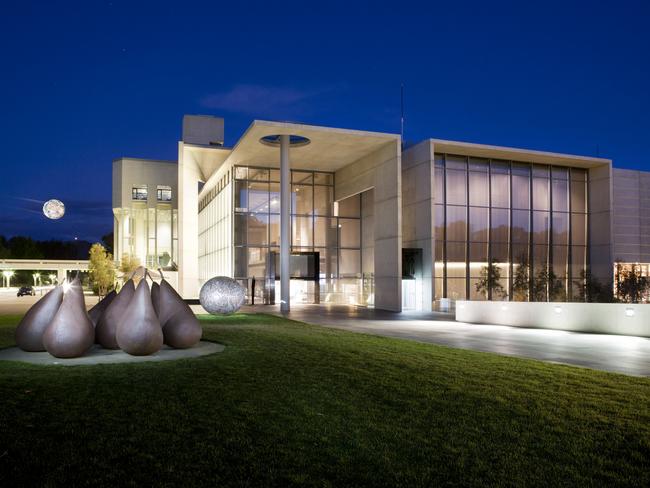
(137, 320)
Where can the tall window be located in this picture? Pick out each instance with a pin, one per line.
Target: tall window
(164, 193)
(525, 219)
(139, 192)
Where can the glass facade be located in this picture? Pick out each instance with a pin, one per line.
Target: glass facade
(148, 233)
(239, 231)
(520, 228)
(215, 230)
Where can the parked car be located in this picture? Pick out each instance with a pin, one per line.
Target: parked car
(26, 290)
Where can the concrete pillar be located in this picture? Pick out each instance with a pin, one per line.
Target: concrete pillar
(285, 216)
(60, 275)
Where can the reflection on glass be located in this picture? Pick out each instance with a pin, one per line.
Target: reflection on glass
(500, 190)
(478, 257)
(541, 227)
(350, 263)
(579, 229)
(241, 196)
(560, 260)
(520, 226)
(302, 177)
(540, 194)
(323, 198)
(478, 224)
(274, 230)
(259, 174)
(500, 225)
(578, 196)
(301, 231)
(439, 222)
(456, 288)
(350, 232)
(478, 189)
(456, 187)
(257, 229)
(560, 228)
(258, 197)
(560, 196)
(301, 200)
(520, 192)
(439, 185)
(456, 223)
(325, 232)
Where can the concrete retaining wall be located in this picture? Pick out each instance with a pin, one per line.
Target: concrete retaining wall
(602, 318)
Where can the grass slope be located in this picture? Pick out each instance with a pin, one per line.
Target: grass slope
(291, 404)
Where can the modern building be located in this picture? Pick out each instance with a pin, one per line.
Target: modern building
(364, 221)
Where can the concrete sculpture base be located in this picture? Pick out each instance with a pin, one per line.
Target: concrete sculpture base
(99, 355)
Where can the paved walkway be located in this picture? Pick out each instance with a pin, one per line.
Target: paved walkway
(621, 354)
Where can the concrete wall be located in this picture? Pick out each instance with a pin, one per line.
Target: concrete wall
(203, 129)
(128, 172)
(631, 226)
(600, 222)
(381, 171)
(368, 232)
(189, 175)
(417, 211)
(602, 318)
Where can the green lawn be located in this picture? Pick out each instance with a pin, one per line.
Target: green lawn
(292, 404)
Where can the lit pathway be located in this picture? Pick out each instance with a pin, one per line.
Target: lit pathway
(622, 354)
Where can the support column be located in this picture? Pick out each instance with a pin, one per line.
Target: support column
(60, 276)
(285, 237)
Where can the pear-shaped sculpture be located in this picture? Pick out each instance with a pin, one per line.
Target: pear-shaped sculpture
(138, 332)
(180, 326)
(96, 312)
(30, 330)
(71, 332)
(182, 330)
(108, 322)
(155, 292)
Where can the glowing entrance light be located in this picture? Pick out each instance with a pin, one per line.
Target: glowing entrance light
(557, 309)
(629, 312)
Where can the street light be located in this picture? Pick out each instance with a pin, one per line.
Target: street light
(51, 277)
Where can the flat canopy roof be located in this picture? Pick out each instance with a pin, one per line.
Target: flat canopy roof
(516, 154)
(329, 149)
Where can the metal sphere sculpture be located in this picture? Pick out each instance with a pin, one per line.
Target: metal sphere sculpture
(71, 332)
(30, 330)
(222, 295)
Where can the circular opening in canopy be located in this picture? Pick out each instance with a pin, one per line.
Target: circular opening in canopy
(294, 141)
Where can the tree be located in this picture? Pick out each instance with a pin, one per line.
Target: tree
(490, 282)
(101, 269)
(631, 286)
(590, 289)
(107, 241)
(128, 265)
(521, 279)
(547, 286)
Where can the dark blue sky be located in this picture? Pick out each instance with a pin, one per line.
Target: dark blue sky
(85, 82)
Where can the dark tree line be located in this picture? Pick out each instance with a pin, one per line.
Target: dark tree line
(21, 247)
